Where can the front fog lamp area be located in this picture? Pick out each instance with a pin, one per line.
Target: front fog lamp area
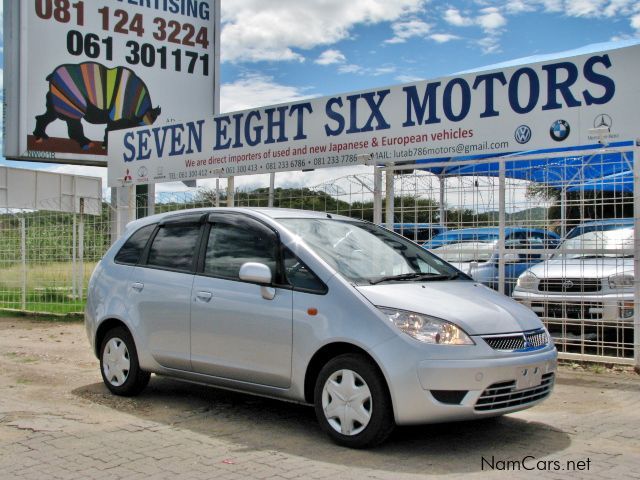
(427, 329)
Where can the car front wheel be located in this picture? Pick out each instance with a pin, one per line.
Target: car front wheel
(119, 365)
(352, 402)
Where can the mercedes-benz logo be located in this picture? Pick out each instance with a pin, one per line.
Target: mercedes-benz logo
(522, 134)
(560, 130)
(603, 120)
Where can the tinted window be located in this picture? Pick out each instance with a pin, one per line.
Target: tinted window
(299, 276)
(130, 252)
(174, 247)
(232, 245)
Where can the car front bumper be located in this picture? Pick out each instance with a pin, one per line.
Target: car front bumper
(443, 389)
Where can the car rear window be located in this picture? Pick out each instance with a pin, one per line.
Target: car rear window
(130, 252)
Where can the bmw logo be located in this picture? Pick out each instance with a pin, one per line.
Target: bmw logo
(560, 130)
(522, 134)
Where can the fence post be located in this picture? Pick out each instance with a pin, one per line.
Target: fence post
(23, 256)
(74, 273)
(502, 205)
(441, 206)
(390, 198)
(377, 195)
(636, 256)
(272, 186)
(231, 192)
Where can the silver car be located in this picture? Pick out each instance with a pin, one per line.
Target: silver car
(589, 279)
(313, 308)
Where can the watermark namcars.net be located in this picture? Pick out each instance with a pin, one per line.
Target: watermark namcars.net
(531, 463)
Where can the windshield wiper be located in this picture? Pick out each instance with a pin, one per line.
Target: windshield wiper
(415, 276)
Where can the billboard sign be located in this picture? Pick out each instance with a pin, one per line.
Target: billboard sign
(79, 69)
(554, 105)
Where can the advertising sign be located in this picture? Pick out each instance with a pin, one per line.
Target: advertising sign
(83, 68)
(553, 105)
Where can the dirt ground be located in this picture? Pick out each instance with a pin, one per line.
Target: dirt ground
(57, 420)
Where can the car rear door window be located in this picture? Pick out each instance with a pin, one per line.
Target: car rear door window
(174, 247)
(130, 252)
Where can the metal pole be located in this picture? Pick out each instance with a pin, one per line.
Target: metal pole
(390, 198)
(231, 192)
(441, 206)
(377, 195)
(23, 256)
(502, 223)
(272, 187)
(80, 284)
(636, 256)
(563, 212)
(217, 192)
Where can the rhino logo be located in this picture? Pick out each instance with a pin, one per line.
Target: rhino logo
(116, 97)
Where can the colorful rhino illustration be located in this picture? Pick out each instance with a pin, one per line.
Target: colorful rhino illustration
(116, 97)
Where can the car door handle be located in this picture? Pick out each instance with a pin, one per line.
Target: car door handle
(204, 296)
(137, 286)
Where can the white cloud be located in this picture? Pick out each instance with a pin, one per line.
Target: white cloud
(454, 17)
(255, 30)
(331, 57)
(443, 37)
(491, 19)
(408, 78)
(360, 70)
(350, 68)
(407, 29)
(256, 90)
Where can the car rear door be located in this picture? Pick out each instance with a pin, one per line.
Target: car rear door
(160, 291)
(237, 333)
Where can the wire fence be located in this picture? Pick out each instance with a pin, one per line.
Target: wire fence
(563, 247)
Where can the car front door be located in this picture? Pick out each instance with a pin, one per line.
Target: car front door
(237, 332)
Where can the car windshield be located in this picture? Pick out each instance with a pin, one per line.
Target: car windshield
(366, 254)
(599, 227)
(598, 244)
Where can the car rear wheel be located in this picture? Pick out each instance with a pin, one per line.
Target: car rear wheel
(119, 365)
(352, 402)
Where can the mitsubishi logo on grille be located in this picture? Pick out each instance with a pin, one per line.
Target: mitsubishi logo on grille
(526, 342)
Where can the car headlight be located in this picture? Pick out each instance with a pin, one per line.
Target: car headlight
(527, 281)
(427, 329)
(621, 280)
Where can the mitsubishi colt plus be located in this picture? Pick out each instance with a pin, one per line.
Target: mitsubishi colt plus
(314, 308)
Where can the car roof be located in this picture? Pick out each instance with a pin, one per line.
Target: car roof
(508, 230)
(273, 213)
(608, 221)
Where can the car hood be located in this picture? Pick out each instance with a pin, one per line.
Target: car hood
(474, 307)
(582, 268)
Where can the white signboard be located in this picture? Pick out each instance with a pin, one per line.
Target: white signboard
(80, 68)
(553, 106)
(41, 190)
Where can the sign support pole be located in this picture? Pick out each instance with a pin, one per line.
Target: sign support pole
(390, 198)
(377, 195)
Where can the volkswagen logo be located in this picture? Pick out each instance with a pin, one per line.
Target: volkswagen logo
(560, 130)
(143, 172)
(523, 134)
(602, 120)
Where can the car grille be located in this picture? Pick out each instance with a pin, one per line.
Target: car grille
(570, 285)
(504, 395)
(571, 311)
(533, 339)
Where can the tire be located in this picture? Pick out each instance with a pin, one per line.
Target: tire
(119, 365)
(363, 420)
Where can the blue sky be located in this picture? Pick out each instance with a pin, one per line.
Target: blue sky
(281, 50)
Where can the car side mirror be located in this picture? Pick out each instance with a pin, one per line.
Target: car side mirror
(261, 274)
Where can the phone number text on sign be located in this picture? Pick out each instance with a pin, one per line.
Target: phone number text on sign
(185, 58)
